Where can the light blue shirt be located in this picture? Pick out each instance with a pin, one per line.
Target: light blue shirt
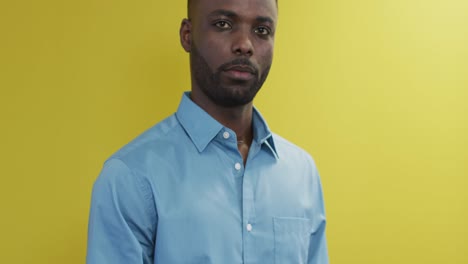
(180, 193)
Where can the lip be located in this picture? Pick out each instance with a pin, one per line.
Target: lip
(240, 72)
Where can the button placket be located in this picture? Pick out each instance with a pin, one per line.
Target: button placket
(248, 216)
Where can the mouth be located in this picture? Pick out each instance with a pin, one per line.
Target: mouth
(240, 72)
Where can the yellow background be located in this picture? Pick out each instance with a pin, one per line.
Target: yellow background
(375, 90)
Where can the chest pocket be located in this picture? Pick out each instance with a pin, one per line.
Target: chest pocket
(292, 238)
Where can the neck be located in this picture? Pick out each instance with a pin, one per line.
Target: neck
(238, 119)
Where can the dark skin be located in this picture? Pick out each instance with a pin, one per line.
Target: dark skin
(231, 50)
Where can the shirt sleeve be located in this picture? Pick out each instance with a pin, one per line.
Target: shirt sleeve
(123, 219)
(318, 251)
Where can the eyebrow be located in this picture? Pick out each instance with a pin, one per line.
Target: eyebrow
(222, 12)
(262, 19)
(230, 14)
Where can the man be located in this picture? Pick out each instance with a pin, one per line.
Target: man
(211, 183)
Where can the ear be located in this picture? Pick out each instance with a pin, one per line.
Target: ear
(185, 34)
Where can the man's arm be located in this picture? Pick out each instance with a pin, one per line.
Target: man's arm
(123, 219)
(318, 251)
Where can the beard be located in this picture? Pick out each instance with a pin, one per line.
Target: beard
(232, 94)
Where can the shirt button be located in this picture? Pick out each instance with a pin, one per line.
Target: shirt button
(226, 135)
(238, 166)
(249, 227)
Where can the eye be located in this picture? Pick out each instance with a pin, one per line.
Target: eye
(263, 31)
(222, 24)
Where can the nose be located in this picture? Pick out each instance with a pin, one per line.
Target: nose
(242, 43)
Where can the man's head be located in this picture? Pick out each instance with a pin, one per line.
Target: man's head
(189, 6)
(231, 47)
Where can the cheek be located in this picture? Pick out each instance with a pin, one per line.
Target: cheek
(215, 51)
(265, 55)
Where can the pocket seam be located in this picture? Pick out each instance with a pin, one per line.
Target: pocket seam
(276, 233)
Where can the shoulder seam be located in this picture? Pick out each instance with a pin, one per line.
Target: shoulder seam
(151, 206)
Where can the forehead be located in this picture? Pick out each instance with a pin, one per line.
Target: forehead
(242, 8)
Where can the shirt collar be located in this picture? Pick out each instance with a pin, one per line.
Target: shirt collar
(202, 128)
(262, 133)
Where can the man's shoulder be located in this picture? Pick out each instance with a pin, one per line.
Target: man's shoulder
(150, 140)
(289, 151)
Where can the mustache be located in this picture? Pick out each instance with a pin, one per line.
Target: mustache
(241, 62)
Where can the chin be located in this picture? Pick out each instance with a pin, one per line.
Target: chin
(236, 97)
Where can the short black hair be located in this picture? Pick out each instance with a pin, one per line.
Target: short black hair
(190, 1)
